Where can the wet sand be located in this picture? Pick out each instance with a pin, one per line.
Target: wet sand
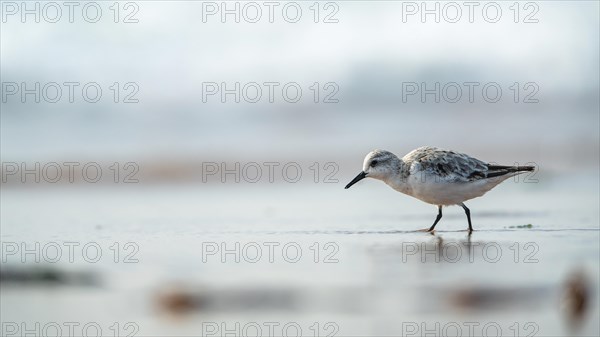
(280, 259)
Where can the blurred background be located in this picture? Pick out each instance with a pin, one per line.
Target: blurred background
(171, 105)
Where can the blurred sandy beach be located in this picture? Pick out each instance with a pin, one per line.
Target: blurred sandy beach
(215, 217)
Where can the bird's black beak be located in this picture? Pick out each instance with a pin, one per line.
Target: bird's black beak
(358, 178)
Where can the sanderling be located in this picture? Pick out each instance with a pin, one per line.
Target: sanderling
(436, 176)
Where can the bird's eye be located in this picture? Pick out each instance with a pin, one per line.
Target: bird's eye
(373, 163)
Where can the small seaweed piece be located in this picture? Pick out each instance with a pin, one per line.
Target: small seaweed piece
(522, 226)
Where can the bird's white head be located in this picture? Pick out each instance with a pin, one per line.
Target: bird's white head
(378, 164)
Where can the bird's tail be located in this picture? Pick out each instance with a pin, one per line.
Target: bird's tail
(499, 170)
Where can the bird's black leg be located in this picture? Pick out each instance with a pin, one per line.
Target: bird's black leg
(437, 219)
(468, 213)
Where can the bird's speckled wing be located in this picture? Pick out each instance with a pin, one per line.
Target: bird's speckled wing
(448, 165)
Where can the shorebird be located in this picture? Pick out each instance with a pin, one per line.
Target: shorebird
(436, 176)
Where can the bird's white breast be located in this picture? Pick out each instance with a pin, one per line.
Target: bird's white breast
(440, 191)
